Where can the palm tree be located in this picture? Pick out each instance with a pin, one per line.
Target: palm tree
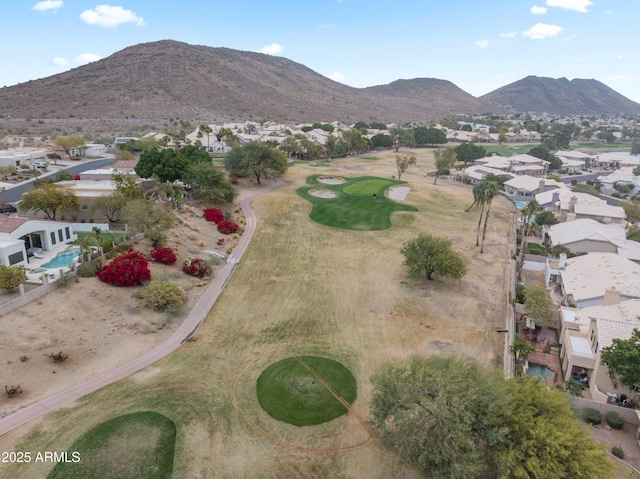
(520, 349)
(205, 130)
(490, 192)
(528, 212)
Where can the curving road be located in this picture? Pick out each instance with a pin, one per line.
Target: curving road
(181, 335)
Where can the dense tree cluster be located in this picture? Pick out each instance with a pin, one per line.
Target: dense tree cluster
(451, 418)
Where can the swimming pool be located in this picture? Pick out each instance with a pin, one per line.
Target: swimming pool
(519, 204)
(62, 259)
(538, 370)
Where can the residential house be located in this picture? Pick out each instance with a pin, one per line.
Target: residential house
(526, 185)
(21, 237)
(477, 173)
(19, 158)
(585, 332)
(569, 205)
(584, 280)
(589, 236)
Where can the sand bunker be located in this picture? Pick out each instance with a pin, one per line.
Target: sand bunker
(331, 180)
(398, 192)
(320, 193)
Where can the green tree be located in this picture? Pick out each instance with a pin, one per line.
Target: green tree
(69, 143)
(520, 349)
(431, 255)
(633, 233)
(468, 152)
(382, 141)
(205, 130)
(635, 149)
(227, 137)
(53, 200)
(402, 137)
(152, 219)
(445, 159)
(429, 136)
(538, 304)
(404, 162)
(545, 439)
(125, 155)
(585, 188)
(11, 277)
(166, 165)
(546, 218)
(330, 146)
(622, 359)
(290, 146)
(55, 157)
(490, 192)
(543, 153)
(636, 171)
(109, 206)
(352, 141)
(209, 184)
(257, 159)
(127, 186)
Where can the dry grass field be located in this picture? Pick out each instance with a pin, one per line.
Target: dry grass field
(307, 289)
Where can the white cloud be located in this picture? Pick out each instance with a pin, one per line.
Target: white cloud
(47, 5)
(540, 31)
(482, 43)
(87, 58)
(337, 76)
(508, 34)
(60, 61)
(109, 16)
(575, 5)
(536, 10)
(273, 49)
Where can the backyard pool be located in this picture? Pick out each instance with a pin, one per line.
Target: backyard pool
(538, 370)
(519, 204)
(62, 259)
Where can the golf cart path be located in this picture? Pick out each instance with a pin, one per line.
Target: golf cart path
(180, 336)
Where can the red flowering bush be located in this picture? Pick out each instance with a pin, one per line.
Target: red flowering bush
(227, 227)
(196, 267)
(128, 269)
(213, 214)
(164, 255)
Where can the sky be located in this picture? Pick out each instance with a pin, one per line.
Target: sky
(479, 45)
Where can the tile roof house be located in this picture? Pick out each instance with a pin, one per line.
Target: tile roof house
(526, 185)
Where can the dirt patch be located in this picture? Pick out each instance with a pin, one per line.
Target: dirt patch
(320, 193)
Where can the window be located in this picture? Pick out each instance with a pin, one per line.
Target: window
(16, 258)
(53, 237)
(67, 232)
(60, 237)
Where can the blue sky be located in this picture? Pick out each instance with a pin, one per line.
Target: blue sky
(479, 45)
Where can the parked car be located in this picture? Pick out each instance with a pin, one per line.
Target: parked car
(39, 164)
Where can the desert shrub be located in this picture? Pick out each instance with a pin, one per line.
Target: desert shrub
(162, 295)
(614, 420)
(13, 391)
(617, 451)
(117, 250)
(11, 277)
(89, 269)
(196, 267)
(215, 260)
(590, 415)
(164, 255)
(128, 269)
(58, 357)
(227, 227)
(66, 279)
(213, 214)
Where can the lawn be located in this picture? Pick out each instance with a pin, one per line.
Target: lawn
(355, 207)
(594, 148)
(534, 248)
(139, 445)
(508, 150)
(289, 392)
(106, 237)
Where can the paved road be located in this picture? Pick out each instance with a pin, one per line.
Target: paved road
(182, 334)
(14, 193)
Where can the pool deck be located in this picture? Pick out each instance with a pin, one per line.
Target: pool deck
(46, 256)
(539, 338)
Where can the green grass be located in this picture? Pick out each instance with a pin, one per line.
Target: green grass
(139, 445)
(508, 150)
(600, 147)
(369, 158)
(534, 248)
(117, 237)
(288, 391)
(354, 208)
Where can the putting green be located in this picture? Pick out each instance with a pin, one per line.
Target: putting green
(354, 207)
(367, 187)
(139, 445)
(300, 391)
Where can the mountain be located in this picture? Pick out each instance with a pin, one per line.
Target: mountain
(172, 79)
(563, 97)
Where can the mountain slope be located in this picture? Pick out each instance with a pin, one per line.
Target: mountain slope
(173, 79)
(561, 96)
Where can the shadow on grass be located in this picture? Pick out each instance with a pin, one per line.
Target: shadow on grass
(355, 207)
